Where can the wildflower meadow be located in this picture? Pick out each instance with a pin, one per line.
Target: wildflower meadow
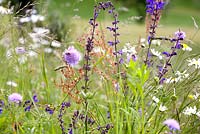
(93, 70)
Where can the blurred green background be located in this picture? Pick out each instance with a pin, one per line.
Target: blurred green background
(177, 14)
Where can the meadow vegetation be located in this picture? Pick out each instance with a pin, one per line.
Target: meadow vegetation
(88, 67)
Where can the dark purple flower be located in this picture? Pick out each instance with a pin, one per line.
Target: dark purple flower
(154, 5)
(178, 45)
(71, 56)
(28, 108)
(60, 115)
(134, 57)
(35, 99)
(1, 110)
(162, 81)
(1, 103)
(66, 104)
(172, 124)
(121, 61)
(70, 131)
(108, 114)
(111, 43)
(166, 53)
(49, 109)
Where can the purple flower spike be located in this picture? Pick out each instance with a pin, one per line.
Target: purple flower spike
(71, 56)
(172, 124)
(15, 97)
(153, 5)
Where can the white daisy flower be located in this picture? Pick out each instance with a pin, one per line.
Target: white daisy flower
(32, 54)
(22, 40)
(4, 10)
(48, 50)
(22, 59)
(194, 62)
(172, 80)
(24, 19)
(143, 42)
(186, 47)
(9, 54)
(99, 50)
(155, 99)
(41, 31)
(198, 113)
(128, 49)
(156, 53)
(156, 42)
(55, 43)
(35, 18)
(162, 108)
(11, 83)
(190, 110)
(182, 75)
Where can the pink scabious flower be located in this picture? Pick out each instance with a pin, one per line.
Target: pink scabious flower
(15, 97)
(180, 34)
(172, 124)
(71, 56)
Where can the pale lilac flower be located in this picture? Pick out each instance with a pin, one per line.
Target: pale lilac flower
(71, 56)
(117, 86)
(20, 50)
(15, 97)
(172, 124)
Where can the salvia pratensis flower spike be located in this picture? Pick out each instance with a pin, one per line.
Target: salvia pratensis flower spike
(60, 116)
(153, 10)
(179, 35)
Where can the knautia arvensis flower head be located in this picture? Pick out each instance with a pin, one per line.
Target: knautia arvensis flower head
(71, 56)
(172, 124)
(15, 97)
